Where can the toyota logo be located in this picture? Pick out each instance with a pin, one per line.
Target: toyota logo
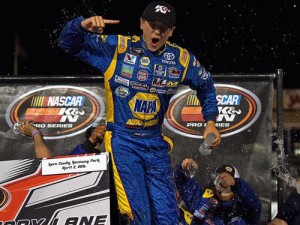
(169, 56)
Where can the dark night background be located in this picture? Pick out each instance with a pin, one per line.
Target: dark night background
(249, 37)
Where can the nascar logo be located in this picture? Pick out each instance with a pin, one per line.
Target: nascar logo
(238, 109)
(61, 111)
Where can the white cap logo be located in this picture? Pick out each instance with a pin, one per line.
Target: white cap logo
(161, 8)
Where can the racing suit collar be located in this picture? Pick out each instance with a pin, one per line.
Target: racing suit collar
(158, 52)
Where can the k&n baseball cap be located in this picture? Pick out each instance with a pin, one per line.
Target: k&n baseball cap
(160, 11)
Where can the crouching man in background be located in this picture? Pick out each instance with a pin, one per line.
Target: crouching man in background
(229, 200)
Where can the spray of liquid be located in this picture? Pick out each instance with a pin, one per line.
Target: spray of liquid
(279, 165)
(86, 8)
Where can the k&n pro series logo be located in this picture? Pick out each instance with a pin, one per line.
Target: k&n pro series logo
(238, 109)
(60, 111)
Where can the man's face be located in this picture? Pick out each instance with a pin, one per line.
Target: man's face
(155, 34)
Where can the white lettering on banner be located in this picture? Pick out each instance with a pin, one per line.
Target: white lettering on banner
(227, 113)
(74, 164)
(228, 99)
(194, 124)
(98, 220)
(57, 125)
(70, 114)
(204, 124)
(65, 101)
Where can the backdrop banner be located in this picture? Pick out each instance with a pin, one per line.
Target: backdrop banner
(64, 112)
(29, 197)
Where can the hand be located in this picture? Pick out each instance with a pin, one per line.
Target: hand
(97, 23)
(27, 128)
(211, 128)
(189, 163)
(277, 221)
(98, 134)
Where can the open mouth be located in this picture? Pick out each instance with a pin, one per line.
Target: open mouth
(155, 40)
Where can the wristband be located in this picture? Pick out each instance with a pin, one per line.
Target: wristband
(35, 132)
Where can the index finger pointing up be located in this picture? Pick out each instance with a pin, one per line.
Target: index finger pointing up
(111, 21)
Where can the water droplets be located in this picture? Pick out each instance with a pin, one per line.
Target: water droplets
(279, 164)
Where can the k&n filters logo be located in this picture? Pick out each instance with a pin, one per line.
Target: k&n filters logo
(238, 108)
(60, 111)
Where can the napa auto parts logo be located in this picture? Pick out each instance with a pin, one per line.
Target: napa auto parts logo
(238, 109)
(60, 111)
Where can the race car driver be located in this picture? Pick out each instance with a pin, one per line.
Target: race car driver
(141, 74)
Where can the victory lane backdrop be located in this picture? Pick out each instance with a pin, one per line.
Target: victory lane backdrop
(64, 112)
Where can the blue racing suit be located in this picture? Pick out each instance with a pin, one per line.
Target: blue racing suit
(138, 87)
(85, 148)
(208, 209)
(290, 210)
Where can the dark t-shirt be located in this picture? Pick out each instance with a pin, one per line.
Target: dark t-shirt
(290, 210)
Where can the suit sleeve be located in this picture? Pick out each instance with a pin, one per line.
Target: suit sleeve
(95, 49)
(188, 188)
(200, 80)
(250, 203)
